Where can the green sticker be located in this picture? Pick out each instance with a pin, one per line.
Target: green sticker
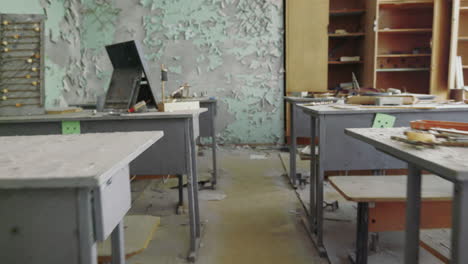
(383, 121)
(71, 127)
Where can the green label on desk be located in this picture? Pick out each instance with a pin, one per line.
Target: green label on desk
(71, 127)
(383, 121)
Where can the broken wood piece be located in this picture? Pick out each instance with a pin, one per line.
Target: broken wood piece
(139, 231)
(416, 143)
(420, 137)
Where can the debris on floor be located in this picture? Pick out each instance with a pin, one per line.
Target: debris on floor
(211, 196)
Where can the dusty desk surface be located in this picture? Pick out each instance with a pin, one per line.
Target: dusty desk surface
(85, 160)
(89, 115)
(307, 99)
(390, 188)
(343, 109)
(447, 162)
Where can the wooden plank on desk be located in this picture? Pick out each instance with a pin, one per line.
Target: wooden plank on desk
(389, 188)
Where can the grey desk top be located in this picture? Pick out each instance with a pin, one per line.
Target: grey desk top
(447, 162)
(62, 161)
(350, 110)
(92, 105)
(201, 99)
(293, 99)
(88, 115)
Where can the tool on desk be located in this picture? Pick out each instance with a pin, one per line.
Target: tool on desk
(182, 91)
(138, 108)
(433, 124)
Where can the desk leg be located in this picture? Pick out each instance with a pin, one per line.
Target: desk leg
(180, 187)
(214, 180)
(195, 180)
(313, 178)
(460, 224)
(190, 190)
(320, 175)
(362, 233)
(413, 214)
(88, 251)
(118, 248)
(292, 146)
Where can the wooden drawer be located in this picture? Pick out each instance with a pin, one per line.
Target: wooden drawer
(112, 202)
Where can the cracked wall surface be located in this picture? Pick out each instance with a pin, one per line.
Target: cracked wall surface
(230, 49)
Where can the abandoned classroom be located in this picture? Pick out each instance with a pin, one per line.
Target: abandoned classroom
(233, 131)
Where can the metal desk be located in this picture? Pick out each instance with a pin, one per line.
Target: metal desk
(299, 126)
(336, 151)
(207, 126)
(447, 162)
(59, 195)
(176, 152)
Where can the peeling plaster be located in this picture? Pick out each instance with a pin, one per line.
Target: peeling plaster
(231, 49)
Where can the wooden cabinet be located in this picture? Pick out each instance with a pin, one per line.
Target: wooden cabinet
(403, 44)
(347, 35)
(318, 34)
(411, 46)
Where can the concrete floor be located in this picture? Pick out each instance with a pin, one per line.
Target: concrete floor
(252, 217)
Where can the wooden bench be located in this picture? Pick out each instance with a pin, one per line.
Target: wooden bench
(437, 242)
(382, 204)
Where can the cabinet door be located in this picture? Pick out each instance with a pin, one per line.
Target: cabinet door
(441, 48)
(306, 45)
(454, 42)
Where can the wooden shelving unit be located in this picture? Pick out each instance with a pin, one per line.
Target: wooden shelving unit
(459, 40)
(347, 35)
(402, 69)
(409, 45)
(350, 16)
(403, 55)
(344, 62)
(406, 30)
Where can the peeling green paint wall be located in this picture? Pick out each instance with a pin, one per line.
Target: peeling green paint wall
(230, 49)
